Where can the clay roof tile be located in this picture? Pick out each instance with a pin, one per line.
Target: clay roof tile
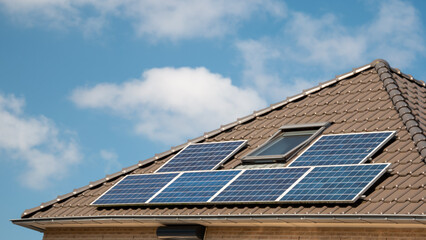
(374, 97)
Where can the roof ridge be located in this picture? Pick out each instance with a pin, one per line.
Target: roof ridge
(401, 105)
(206, 135)
(406, 76)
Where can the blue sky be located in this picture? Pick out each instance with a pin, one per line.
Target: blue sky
(88, 87)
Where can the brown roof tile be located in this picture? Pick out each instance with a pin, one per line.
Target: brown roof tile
(414, 208)
(366, 100)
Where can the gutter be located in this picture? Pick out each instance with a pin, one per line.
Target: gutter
(318, 218)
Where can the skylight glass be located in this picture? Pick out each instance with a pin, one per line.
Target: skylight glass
(283, 143)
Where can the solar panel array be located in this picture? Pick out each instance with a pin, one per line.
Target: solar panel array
(195, 187)
(135, 189)
(344, 179)
(204, 156)
(342, 149)
(335, 183)
(309, 184)
(260, 185)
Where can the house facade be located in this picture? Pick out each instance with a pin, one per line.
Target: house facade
(374, 98)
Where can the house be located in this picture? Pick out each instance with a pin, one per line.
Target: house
(372, 99)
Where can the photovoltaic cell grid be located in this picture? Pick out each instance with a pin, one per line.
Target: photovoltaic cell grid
(313, 183)
(260, 185)
(135, 189)
(193, 187)
(204, 156)
(343, 183)
(342, 149)
(335, 183)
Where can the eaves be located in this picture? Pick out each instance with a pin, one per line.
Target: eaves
(292, 220)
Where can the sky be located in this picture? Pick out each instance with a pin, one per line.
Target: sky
(88, 87)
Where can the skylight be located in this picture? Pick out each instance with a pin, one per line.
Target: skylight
(285, 143)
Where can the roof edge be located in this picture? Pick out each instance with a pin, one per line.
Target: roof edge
(313, 218)
(219, 130)
(343, 215)
(401, 105)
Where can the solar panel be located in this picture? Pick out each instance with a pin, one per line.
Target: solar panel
(342, 180)
(260, 185)
(202, 156)
(193, 187)
(342, 149)
(135, 189)
(343, 183)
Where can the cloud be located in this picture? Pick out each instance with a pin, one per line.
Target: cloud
(260, 74)
(184, 19)
(396, 34)
(111, 161)
(310, 48)
(53, 13)
(323, 41)
(36, 142)
(170, 104)
(155, 19)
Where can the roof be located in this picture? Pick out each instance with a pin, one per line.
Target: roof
(374, 97)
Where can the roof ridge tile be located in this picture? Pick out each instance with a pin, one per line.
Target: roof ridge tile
(407, 76)
(401, 106)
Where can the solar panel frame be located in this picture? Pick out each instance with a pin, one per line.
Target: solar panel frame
(355, 198)
(181, 189)
(260, 185)
(294, 163)
(279, 200)
(173, 175)
(216, 166)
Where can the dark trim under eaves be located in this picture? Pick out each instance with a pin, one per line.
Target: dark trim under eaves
(353, 218)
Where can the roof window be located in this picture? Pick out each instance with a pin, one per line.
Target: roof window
(285, 143)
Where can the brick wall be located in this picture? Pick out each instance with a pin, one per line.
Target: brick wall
(272, 233)
(230, 233)
(100, 233)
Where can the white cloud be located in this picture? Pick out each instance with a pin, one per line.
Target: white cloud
(258, 74)
(111, 161)
(310, 46)
(171, 104)
(183, 19)
(396, 34)
(323, 41)
(36, 142)
(54, 13)
(152, 18)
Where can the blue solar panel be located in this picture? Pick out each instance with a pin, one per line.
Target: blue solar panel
(203, 156)
(342, 149)
(260, 185)
(335, 183)
(135, 189)
(193, 187)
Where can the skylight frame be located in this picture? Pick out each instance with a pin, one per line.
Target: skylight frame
(317, 129)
